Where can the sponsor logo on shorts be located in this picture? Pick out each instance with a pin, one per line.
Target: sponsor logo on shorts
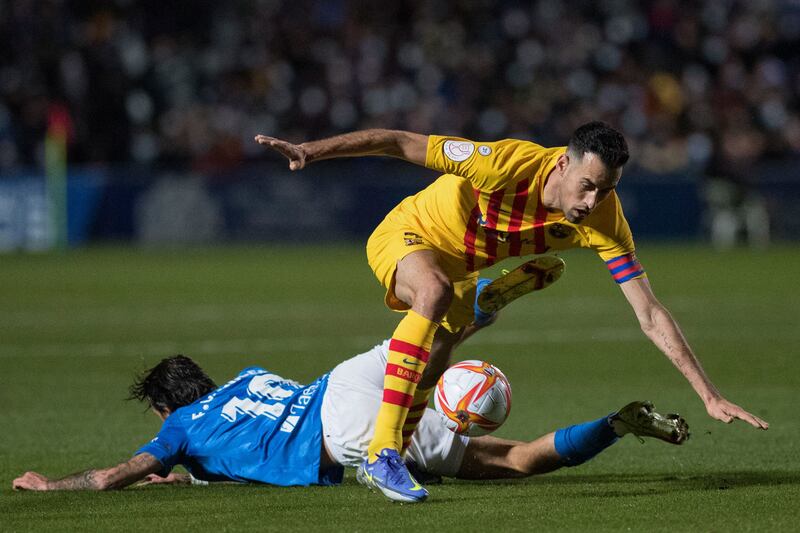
(458, 151)
(484, 150)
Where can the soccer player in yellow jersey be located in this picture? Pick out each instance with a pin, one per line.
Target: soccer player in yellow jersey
(494, 200)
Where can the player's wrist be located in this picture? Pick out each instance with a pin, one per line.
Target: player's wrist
(711, 397)
(307, 152)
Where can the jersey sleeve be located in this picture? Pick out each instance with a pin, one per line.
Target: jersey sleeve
(612, 239)
(168, 446)
(488, 165)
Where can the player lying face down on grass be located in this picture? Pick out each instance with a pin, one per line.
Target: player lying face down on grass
(492, 201)
(262, 428)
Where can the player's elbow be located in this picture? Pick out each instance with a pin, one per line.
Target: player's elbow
(108, 481)
(650, 319)
(647, 324)
(101, 481)
(412, 147)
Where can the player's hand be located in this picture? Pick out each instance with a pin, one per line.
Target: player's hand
(293, 152)
(726, 411)
(30, 481)
(171, 479)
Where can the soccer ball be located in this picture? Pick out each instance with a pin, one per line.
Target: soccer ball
(474, 397)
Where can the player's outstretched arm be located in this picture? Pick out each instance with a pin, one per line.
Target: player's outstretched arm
(173, 478)
(115, 477)
(661, 328)
(392, 143)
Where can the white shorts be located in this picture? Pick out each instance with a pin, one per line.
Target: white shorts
(351, 404)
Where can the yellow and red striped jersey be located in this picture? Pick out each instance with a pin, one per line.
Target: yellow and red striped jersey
(487, 206)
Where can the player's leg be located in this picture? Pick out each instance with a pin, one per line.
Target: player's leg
(476, 303)
(351, 403)
(492, 458)
(458, 319)
(437, 451)
(534, 275)
(420, 283)
(441, 353)
(441, 350)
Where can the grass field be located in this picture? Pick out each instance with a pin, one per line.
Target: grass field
(75, 328)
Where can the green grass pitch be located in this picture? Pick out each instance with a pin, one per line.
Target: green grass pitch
(74, 328)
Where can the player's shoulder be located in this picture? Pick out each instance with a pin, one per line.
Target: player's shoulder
(607, 230)
(455, 147)
(521, 154)
(522, 144)
(528, 153)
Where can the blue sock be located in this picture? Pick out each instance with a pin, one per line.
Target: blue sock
(579, 443)
(481, 318)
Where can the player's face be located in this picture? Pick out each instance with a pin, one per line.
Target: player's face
(585, 183)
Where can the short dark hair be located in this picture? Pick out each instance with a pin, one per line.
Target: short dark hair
(601, 139)
(173, 383)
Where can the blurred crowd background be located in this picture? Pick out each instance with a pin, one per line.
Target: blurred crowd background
(699, 88)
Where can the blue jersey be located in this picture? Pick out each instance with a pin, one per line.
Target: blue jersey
(258, 427)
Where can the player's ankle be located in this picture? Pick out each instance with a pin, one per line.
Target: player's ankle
(619, 428)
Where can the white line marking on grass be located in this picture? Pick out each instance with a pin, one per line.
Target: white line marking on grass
(621, 334)
(116, 316)
(351, 343)
(253, 346)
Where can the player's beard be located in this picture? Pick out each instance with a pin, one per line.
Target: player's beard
(576, 216)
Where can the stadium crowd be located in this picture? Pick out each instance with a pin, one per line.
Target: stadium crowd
(692, 84)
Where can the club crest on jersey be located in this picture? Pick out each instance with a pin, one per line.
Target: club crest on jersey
(560, 231)
(458, 150)
(412, 238)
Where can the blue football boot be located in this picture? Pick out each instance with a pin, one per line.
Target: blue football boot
(389, 475)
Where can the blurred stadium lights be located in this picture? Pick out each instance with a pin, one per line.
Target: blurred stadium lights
(159, 103)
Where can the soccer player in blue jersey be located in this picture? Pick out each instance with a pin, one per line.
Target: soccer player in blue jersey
(262, 428)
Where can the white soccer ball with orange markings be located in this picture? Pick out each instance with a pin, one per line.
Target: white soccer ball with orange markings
(474, 396)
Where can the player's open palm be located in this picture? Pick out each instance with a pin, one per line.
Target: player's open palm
(293, 152)
(726, 411)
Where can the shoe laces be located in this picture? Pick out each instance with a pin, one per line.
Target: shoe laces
(397, 472)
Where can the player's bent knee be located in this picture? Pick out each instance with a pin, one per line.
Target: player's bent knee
(435, 295)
